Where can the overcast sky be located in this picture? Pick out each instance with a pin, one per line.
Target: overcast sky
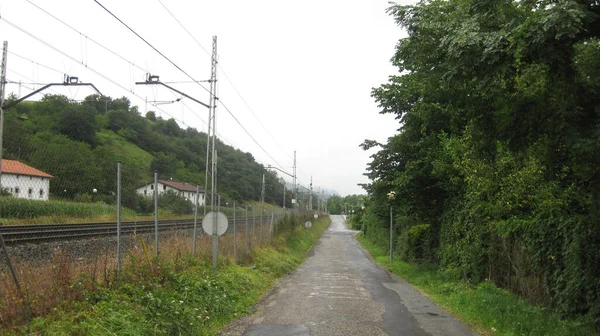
(305, 70)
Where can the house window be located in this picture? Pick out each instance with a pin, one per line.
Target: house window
(164, 187)
(17, 190)
(31, 177)
(30, 192)
(18, 176)
(41, 193)
(145, 193)
(152, 186)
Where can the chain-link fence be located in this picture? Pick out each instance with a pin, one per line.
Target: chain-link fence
(57, 227)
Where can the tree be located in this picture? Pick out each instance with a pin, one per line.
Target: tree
(498, 106)
(78, 122)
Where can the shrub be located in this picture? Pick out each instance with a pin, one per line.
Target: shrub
(415, 244)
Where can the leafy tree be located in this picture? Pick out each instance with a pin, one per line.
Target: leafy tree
(78, 123)
(495, 166)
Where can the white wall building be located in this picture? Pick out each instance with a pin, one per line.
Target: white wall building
(24, 181)
(182, 189)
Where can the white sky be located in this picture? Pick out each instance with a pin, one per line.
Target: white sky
(305, 68)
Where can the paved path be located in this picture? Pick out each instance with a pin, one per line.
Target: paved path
(340, 291)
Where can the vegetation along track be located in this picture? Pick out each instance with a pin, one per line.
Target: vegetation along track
(34, 234)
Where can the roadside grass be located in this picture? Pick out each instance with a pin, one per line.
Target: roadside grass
(488, 309)
(126, 216)
(176, 294)
(16, 211)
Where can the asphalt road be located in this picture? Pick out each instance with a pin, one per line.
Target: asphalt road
(338, 290)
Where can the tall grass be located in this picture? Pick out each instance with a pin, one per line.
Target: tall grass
(175, 293)
(18, 208)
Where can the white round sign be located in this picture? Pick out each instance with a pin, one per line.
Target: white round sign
(209, 220)
(316, 216)
(308, 224)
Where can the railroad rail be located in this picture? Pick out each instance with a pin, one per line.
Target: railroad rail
(35, 234)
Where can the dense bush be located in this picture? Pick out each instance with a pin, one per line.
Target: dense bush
(415, 244)
(498, 147)
(11, 207)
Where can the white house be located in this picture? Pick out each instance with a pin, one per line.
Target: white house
(24, 181)
(183, 189)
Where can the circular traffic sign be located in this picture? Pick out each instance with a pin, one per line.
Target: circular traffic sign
(209, 220)
(308, 224)
(316, 216)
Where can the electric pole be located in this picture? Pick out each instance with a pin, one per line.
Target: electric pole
(295, 188)
(262, 193)
(213, 187)
(310, 195)
(2, 94)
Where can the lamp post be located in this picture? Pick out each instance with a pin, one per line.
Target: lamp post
(391, 197)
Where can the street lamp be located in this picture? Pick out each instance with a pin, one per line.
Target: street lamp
(391, 197)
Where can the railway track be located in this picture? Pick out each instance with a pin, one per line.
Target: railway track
(35, 234)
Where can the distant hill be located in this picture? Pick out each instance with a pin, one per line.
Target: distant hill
(79, 143)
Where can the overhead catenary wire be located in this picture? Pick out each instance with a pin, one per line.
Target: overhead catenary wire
(116, 54)
(36, 63)
(250, 135)
(84, 35)
(87, 67)
(19, 83)
(98, 73)
(227, 78)
(101, 46)
(29, 83)
(188, 75)
(150, 45)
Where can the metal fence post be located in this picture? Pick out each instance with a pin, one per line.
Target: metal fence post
(262, 219)
(247, 233)
(118, 218)
(9, 263)
(391, 232)
(253, 225)
(156, 214)
(195, 220)
(271, 227)
(234, 236)
(15, 278)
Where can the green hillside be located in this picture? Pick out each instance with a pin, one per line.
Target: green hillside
(79, 143)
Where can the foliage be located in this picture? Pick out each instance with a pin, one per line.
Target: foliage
(351, 203)
(415, 244)
(178, 205)
(498, 147)
(11, 207)
(80, 144)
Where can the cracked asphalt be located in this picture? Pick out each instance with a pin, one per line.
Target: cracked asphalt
(338, 290)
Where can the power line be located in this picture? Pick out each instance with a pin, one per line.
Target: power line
(19, 83)
(182, 26)
(88, 67)
(93, 70)
(250, 135)
(227, 78)
(84, 35)
(255, 116)
(30, 83)
(184, 72)
(150, 45)
(43, 66)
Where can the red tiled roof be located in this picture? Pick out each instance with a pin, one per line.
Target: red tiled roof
(182, 186)
(16, 167)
